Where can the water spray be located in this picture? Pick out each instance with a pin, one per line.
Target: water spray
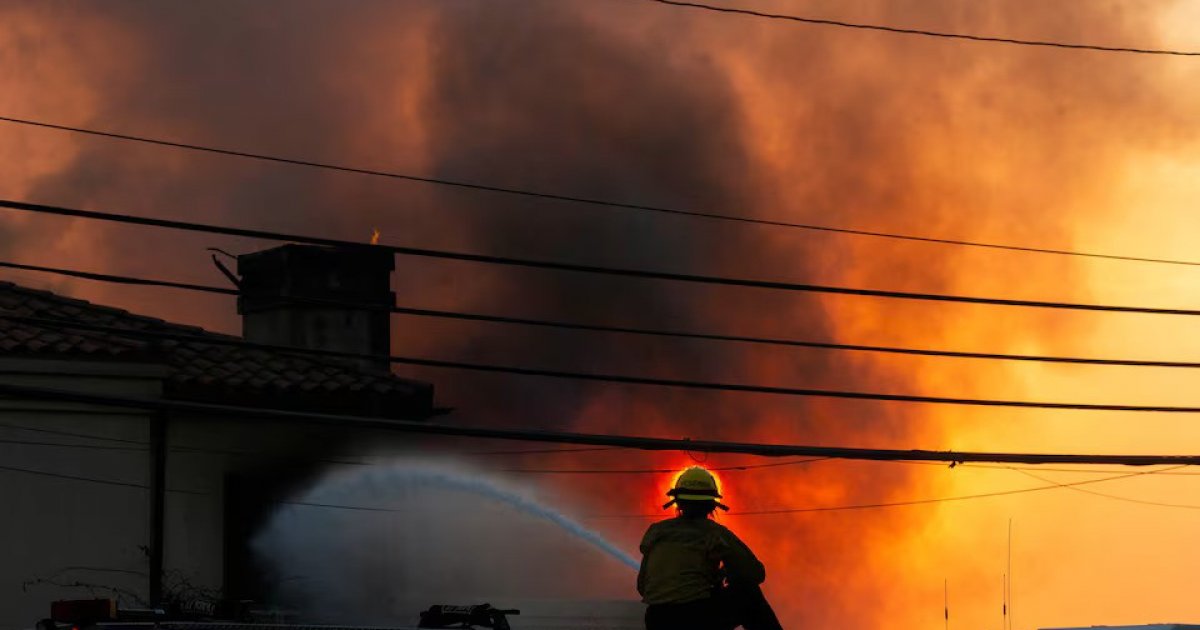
(380, 481)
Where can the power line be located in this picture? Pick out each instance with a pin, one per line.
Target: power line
(631, 380)
(588, 200)
(95, 480)
(831, 508)
(1054, 485)
(1168, 471)
(478, 317)
(543, 451)
(577, 268)
(97, 447)
(88, 436)
(258, 454)
(547, 451)
(539, 451)
(589, 439)
(117, 279)
(1113, 497)
(653, 471)
(1093, 471)
(794, 343)
(922, 32)
(531, 471)
(42, 473)
(890, 504)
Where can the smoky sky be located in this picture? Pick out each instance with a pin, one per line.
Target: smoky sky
(529, 95)
(619, 101)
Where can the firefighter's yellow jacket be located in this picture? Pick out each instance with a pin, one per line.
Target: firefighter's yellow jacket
(686, 559)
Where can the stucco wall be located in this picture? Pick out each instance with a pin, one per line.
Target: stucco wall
(74, 487)
(57, 527)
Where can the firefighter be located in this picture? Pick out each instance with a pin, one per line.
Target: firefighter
(695, 573)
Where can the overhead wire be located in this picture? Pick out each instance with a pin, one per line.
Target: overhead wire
(563, 325)
(244, 414)
(140, 445)
(921, 32)
(89, 436)
(95, 447)
(634, 380)
(838, 508)
(891, 504)
(577, 199)
(798, 510)
(1053, 485)
(83, 478)
(541, 451)
(655, 471)
(577, 267)
(1106, 495)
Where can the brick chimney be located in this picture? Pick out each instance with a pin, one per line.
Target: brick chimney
(276, 282)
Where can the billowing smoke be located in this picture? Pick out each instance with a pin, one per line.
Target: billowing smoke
(640, 102)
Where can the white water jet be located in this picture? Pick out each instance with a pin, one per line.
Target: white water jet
(431, 530)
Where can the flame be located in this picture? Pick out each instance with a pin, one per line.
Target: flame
(375, 236)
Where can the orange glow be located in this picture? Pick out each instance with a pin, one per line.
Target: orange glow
(716, 477)
(1001, 144)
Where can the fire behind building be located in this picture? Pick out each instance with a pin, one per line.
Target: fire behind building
(155, 507)
(1154, 626)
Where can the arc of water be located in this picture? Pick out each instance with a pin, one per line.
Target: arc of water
(386, 476)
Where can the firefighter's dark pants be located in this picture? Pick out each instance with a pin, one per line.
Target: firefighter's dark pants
(728, 609)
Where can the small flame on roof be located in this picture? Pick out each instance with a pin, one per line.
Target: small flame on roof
(375, 236)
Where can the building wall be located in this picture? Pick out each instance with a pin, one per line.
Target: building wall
(224, 477)
(74, 487)
(65, 533)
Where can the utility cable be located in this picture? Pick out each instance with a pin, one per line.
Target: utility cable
(654, 471)
(88, 436)
(105, 482)
(585, 439)
(575, 267)
(96, 447)
(922, 32)
(348, 462)
(500, 319)
(587, 200)
(549, 451)
(891, 504)
(647, 380)
(1072, 485)
(116, 279)
(1113, 497)
(831, 508)
(142, 445)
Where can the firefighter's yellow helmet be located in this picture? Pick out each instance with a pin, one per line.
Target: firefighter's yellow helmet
(695, 484)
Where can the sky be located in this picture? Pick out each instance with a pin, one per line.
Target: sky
(640, 102)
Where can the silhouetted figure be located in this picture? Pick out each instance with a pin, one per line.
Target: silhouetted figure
(695, 573)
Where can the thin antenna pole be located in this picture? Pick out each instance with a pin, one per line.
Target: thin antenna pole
(1004, 601)
(946, 601)
(1009, 584)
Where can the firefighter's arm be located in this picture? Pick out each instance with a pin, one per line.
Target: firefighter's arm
(641, 577)
(742, 568)
(641, 580)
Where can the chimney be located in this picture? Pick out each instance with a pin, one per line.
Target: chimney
(287, 294)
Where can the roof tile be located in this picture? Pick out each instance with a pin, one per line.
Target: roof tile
(196, 363)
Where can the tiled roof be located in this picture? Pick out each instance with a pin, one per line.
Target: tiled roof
(206, 371)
